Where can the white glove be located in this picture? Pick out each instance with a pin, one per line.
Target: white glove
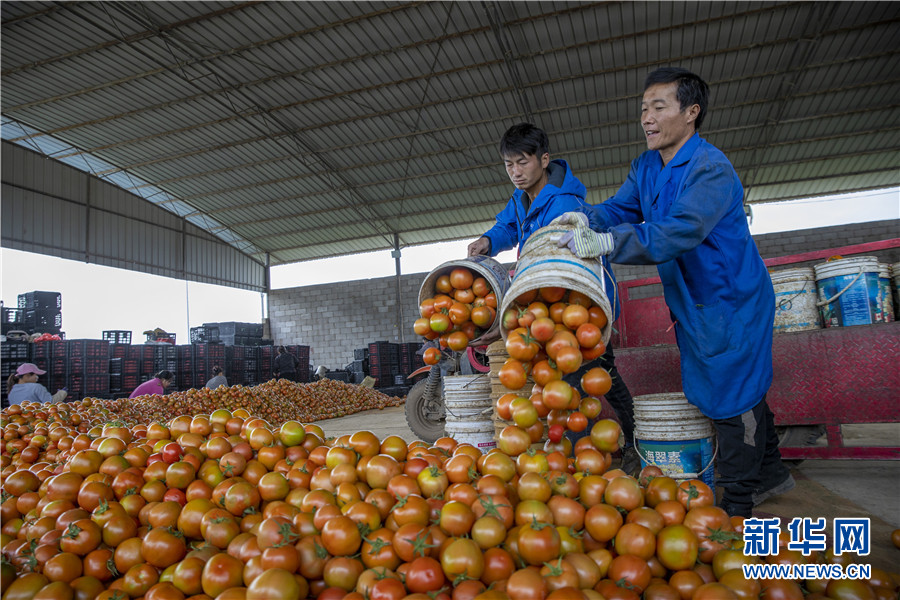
(572, 218)
(59, 396)
(585, 243)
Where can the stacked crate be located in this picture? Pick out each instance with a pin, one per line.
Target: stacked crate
(242, 365)
(88, 368)
(410, 361)
(156, 358)
(302, 354)
(232, 333)
(384, 362)
(11, 319)
(205, 357)
(51, 356)
(266, 358)
(359, 368)
(42, 312)
(118, 354)
(132, 368)
(12, 354)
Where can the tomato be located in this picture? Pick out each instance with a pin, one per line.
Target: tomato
(462, 557)
(521, 346)
(542, 329)
(221, 572)
(424, 574)
(568, 359)
(602, 522)
(538, 542)
(557, 395)
(693, 493)
(605, 435)
(555, 433)
(457, 341)
(574, 316)
(677, 547)
(561, 339)
(596, 381)
(512, 374)
(482, 316)
(577, 421)
(632, 570)
(523, 412)
(432, 356)
(439, 322)
(526, 584)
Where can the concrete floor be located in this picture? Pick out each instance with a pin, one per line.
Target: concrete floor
(825, 488)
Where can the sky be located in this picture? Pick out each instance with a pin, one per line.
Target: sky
(97, 298)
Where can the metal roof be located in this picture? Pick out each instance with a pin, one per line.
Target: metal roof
(313, 129)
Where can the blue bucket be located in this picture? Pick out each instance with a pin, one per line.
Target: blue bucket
(673, 435)
(849, 291)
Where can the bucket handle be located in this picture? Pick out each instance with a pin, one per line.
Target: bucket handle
(788, 303)
(474, 379)
(682, 475)
(838, 295)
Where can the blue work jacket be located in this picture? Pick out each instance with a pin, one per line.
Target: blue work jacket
(687, 217)
(563, 193)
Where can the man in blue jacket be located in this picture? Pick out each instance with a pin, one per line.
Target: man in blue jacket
(681, 209)
(545, 190)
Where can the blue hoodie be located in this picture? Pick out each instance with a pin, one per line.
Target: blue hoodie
(563, 193)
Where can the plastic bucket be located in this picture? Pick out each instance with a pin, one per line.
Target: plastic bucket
(848, 291)
(469, 408)
(496, 275)
(885, 297)
(895, 287)
(674, 435)
(543, 264)
(795, 300)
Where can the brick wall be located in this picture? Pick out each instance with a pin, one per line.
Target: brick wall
(333, 319)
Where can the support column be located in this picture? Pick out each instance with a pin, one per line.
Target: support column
(396, 255)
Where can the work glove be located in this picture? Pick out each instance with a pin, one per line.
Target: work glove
(59, 396)
(585, 243)
(572, 218)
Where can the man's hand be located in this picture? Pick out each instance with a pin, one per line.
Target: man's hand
(585, 243)
(480, 246)
(572, 218)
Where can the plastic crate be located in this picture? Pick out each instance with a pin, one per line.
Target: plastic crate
(87, 349)
(360, 354)
(41, 301)
(12, 319)
(115, 365)
(204, 334)
(118, 350)
(117, 336)
(42, 320)
(15, 350)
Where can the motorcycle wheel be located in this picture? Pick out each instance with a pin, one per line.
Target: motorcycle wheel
(416, 409)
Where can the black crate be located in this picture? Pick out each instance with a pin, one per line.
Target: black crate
(87, 349)
(358, 366)
(117, 336)
(338, 376)
(202, 334)
(42, 320)
(361, 354)
(41, 301)
(131, 366)
(88, 366)
(118, 350)
(115, 382)
(15, 350)
(130, 381)
(115, 365)
(12, 319)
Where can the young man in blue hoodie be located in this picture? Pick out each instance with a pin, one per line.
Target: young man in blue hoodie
(545, 190)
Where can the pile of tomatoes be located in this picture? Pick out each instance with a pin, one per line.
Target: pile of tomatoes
(277, 401)
(230, 506)
(551, 332)
(462, 308)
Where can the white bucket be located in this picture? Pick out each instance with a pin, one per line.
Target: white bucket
(795, 300)
(885, 298)
(895, 286)
(674, 435)
(496, 275)
(469, 409)
(848, 291)
(543, 264)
